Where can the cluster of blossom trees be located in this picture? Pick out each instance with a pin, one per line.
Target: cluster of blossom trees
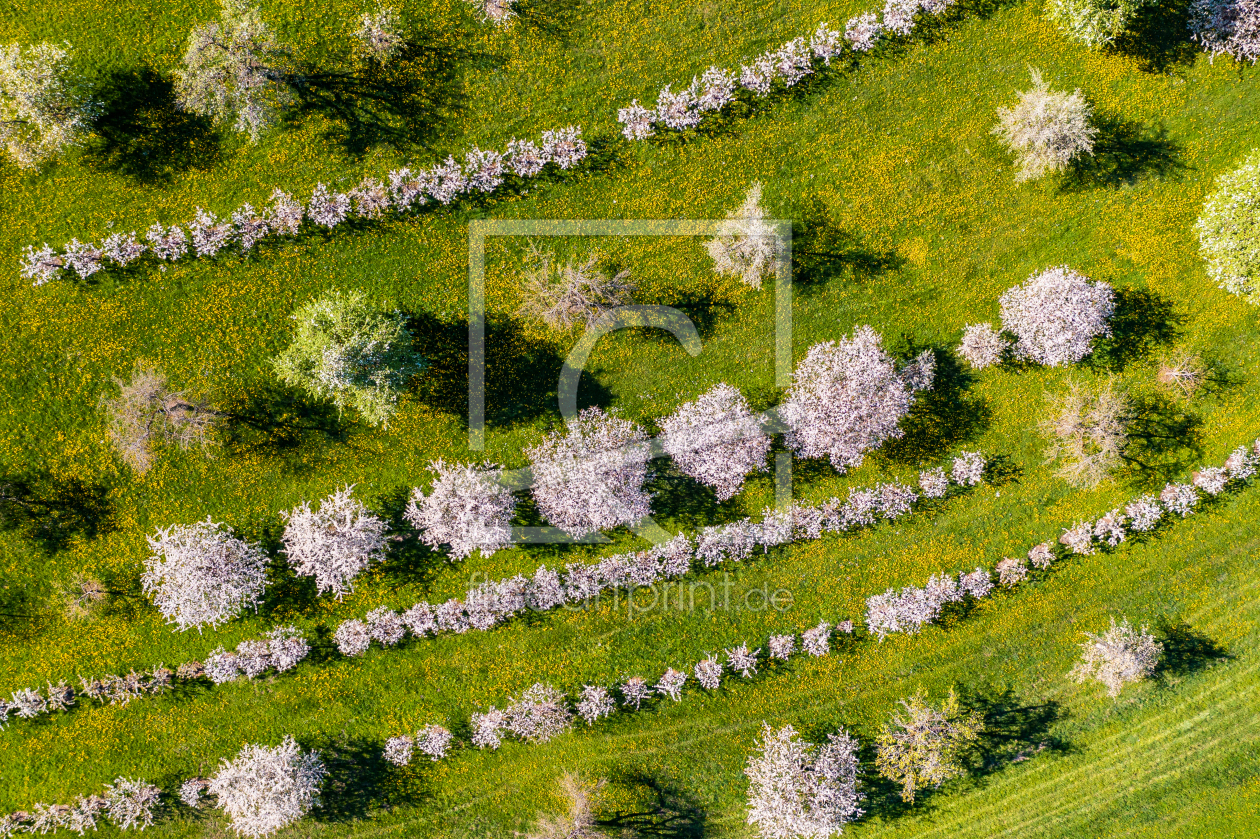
(494, 602)
(784, 67)
(911, 608)
(261, 791)
(278, 650)
(1054, 317)
(542, 712)
(482, 171)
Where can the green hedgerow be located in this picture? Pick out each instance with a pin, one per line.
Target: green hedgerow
(350, 352)
(1095, 23)
(1229, 230)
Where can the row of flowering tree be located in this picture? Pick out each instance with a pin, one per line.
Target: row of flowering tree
(486, 605)
(907, 610)
(207, 235)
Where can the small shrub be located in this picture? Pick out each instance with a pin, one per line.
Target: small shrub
(347, 351)
(1183, 374)
(1119, 656)
(146, 411)
(563, 296)
(924, 745)
(1094, 23)
(235, 71)
(1229, 230)
(982, 346)
(1088, 433)
(578, 819)
(1047, 130)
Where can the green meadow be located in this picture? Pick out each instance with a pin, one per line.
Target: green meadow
(887, 167)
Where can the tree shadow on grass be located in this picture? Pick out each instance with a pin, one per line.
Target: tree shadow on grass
(407, 560)
(821, 251)
(1185, 651)
(52, 511)
(274, 420)
(941, 418)
(360, 780)
(1164, 440)
(556, 18)
(658, 807)
(684, 500)
(404, 103)
(1013, 731)
(1143, 322)
(522, 373)
(1158, 37)
(143, 134)
(1124, 153)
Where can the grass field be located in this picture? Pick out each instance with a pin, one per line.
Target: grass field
(933, 227)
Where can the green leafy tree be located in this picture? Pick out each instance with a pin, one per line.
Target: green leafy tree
(1229, 231)
(924, 745)
(350, 352)
(1095, 23)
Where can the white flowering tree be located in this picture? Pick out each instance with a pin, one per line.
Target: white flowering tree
(923, 745)
(1046, 130)
(982, 346)
(380, 36)
(348, 351)
(1088, 431)
(847, 398)
(201, 575)
(538, 714)
(563, 296)
(1094, 23)
(1056, 315)
(235, 71)
(746, 246)
(1117, 657)
(1227, 27)
(43, 107)
(467, 508)
(1229, 226)
(267, 788)
(334, 542)
(590, 476)
(716, 440)
(797, 789)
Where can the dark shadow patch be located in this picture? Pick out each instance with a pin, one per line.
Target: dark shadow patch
(821, 251)
(521, 373)
(656, 807)
(273, 420)
(1013, 731)
(1143, 322)
(143, 134)
(408, 560)
(1158, 37)
(405, 103)
(360, 780)
(1185, 651)
(703, 309)
(1000, 470)
(1164, 440)
(941, 418)
(684, 501)
(51, 511)
(1124, 153)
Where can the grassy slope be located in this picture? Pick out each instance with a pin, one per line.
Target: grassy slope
(900, 153)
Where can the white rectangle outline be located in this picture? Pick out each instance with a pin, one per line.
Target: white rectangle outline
(480, 229)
